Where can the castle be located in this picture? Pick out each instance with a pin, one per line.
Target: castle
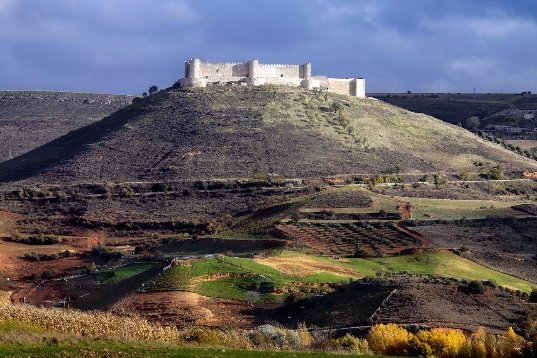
(201, 74)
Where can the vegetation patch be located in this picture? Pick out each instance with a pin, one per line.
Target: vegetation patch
(447, 209)
(121, 273)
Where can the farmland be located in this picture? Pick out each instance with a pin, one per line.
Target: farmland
(448, 209)
(233, 278)
(218, 226)
(346, 238)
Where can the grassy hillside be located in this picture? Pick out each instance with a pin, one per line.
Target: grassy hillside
(243, 132)
(228, 277)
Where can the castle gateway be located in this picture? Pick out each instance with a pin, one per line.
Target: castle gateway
(200, 74)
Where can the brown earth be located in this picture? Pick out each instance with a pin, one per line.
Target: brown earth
(507, 245)
(187, 308)
(303, 266)
(445, 305)
(13, 266)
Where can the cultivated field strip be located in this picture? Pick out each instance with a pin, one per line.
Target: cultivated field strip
(345, 238)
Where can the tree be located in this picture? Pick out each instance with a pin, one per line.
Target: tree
(144, 94)
(253, 296)
(472, 123)
(476, 287)
(153, 89)
(389, 339)
(533, 296)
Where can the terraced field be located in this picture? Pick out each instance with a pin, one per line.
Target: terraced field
(274, 277)
(346, 238)
(448, 209)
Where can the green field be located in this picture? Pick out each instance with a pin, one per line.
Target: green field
(438, 263)
(447, 209)
(121, 273)
(233, 278)
(138, 349)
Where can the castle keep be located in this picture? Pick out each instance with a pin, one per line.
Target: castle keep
(201, 74)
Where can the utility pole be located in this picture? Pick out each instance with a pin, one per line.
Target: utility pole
(474, 91)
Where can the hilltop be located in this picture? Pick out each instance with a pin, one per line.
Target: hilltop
(242, 132)
(29, 119)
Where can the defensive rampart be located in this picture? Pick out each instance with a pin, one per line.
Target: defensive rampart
(201, 74)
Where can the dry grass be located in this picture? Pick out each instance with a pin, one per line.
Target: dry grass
(94, 324)
(302, 265)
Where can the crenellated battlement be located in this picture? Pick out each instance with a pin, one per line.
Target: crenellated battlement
(200, 74)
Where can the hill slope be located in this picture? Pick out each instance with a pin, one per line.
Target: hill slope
(228, 132)
(29, 119)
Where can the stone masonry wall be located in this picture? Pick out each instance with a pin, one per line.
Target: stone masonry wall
(214, 70)
(340, 86)
(200, 74)
(279, 71)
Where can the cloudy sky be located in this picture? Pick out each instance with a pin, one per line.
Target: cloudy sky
(124, 46)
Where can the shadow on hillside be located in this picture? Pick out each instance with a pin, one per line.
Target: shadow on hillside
(68, 145)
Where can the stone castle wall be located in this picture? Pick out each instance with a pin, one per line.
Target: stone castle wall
(200, 74)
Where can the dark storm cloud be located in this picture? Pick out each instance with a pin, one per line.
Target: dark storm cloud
(126, 45)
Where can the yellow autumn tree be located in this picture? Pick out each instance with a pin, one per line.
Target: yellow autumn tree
(512, 344)
(445, 342)
(389, 339)
(477, 345)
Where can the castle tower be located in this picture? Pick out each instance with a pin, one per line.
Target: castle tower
(194, 68)
(193, 74)
(305, 73)
(253, 74)
(357, 88)
(253, 66)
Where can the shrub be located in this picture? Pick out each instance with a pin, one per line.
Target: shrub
(533, 296)
(476, 287)
(106, 253)
(351, 344)
(126, 192)
(253, 296)
(439, 179)
(494, 173)
(389, 339)
(360, 252)
(34, 256)
(35, 240)
(271, 337)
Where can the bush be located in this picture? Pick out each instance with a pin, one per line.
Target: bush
(126, 192)
(272, 337)
(389, 339)
(494, 173)
(34, 256)
(106, 253)
(35, 240)
(352, 344)
(439, 179)
(476, 287)
(360, 253)
(533, 296)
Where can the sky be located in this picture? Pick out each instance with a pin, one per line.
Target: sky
(125, 46)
